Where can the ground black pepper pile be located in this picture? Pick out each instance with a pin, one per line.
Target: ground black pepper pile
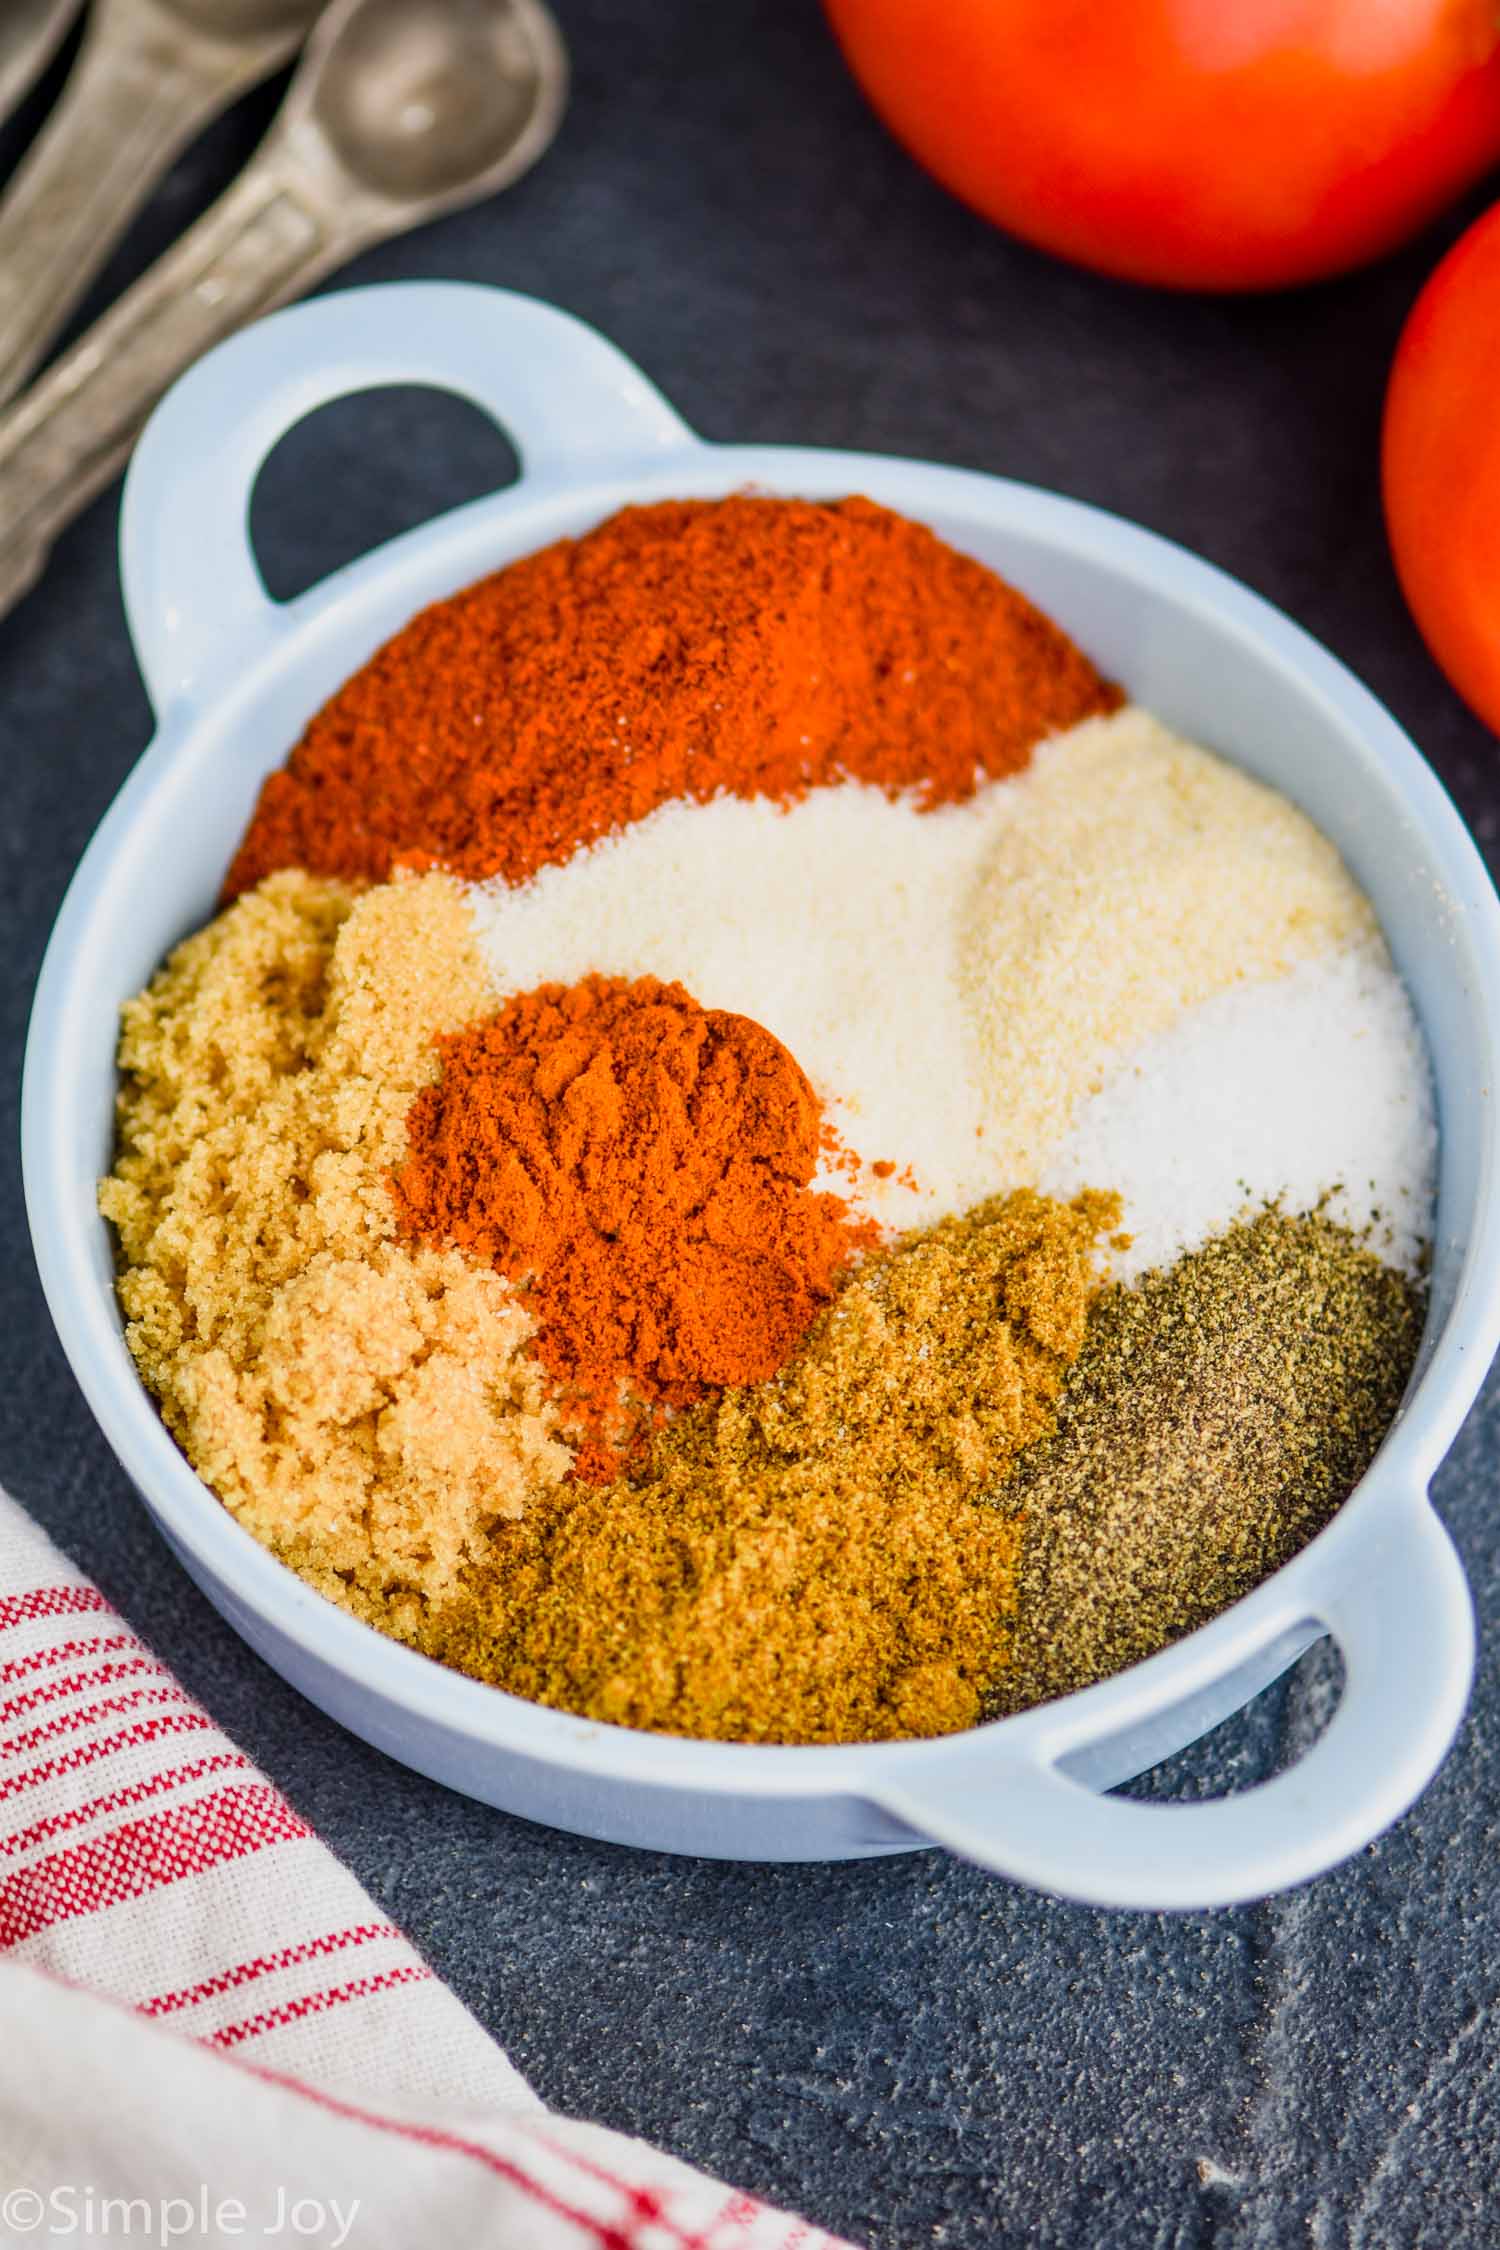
(1216, 1417)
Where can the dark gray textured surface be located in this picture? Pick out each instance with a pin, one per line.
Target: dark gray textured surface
(906, 2050)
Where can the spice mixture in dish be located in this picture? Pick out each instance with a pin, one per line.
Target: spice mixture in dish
(755, 1154)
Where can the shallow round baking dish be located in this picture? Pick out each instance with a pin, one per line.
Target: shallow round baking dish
(233, 676)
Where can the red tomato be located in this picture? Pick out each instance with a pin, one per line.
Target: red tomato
(1204, 144)
(1441, 465)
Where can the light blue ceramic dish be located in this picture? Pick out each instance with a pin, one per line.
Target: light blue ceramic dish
(233, 676)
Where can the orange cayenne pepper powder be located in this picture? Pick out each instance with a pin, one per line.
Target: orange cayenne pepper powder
(646, 1164)
(757, 646)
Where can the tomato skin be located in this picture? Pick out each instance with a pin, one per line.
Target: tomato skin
(1197, 144)
(1440, 465)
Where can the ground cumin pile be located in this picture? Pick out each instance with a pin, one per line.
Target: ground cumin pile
(1217, 1416)
(809, 1559)
(752, 646)
(644, 1165)
(367, 1408)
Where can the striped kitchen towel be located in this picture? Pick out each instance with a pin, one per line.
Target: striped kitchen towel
(210, 2034)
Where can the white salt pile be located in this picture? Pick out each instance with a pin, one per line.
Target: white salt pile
(1135, 876)
(1311, 1090)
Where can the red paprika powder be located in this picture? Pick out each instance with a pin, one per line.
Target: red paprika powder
(645, 1164)
(756, 646)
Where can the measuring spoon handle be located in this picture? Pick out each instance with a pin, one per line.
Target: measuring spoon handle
(288, 220)
(29, 37)
(142, 87)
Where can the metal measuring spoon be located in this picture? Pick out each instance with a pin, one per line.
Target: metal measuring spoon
(400, 110)
(30, 34)
(149, 76)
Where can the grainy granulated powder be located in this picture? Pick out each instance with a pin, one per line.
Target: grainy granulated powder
(808, 1560)
(1133, 876)
(1311, 1091)
(1217, 1415)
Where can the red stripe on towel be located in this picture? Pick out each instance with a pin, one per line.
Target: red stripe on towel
(107, 1746)
(72, 1722)
(609, 2235)
(63, 1652)
(143, 1856)
(48, 1601)
(119, 1800)
(53, 1691)
(335, 1941)
(318, 2003)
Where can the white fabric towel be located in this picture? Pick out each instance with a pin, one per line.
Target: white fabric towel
(208, 2031)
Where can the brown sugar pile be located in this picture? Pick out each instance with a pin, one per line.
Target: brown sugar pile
(811, 1559)
(645, 1165)
(368, 1409)
(755, 646)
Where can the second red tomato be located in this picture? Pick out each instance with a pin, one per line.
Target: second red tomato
(1191, 142)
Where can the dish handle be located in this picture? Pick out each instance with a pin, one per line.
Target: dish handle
(1405, 1629)
(194, 596)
